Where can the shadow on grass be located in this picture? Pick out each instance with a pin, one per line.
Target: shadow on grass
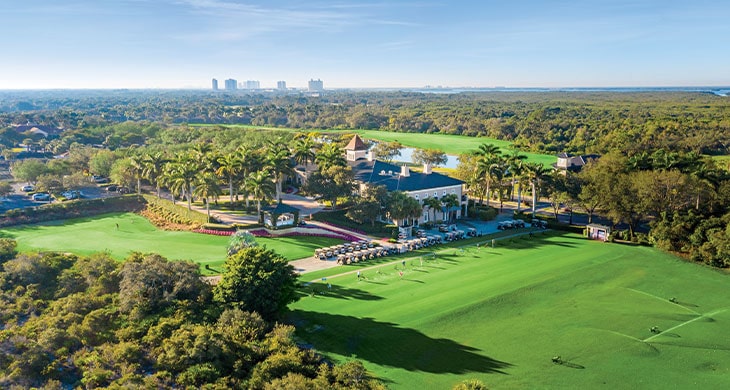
(387, 344)
(335, 291)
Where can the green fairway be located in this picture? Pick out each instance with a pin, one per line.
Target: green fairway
(134, 233)
(449, 144)
(500, 315)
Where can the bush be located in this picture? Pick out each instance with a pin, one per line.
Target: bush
(81, 208)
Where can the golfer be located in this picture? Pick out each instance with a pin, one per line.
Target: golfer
(358, 275)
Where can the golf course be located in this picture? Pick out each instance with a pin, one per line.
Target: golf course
(610, 315)
(122, 233)
(450, 144)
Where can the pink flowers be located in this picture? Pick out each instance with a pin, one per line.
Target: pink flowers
(215, 232)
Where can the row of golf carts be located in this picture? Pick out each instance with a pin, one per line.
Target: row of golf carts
(518, 224)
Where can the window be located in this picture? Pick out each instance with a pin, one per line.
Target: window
(417, 197)
(453, 191)
(435, 194)
(444, 193)
(425, 216)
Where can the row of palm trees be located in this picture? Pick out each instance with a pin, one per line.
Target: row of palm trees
(506, 172)
(252, 172)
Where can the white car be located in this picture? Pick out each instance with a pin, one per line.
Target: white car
(41, 197)
(28, 188)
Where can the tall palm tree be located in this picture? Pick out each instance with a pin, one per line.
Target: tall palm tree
(251, 161)
(303, 150)
(260, 186)
(330, 155)
(279, 162)
(489, 158)
(183, 172)
(206, 186)
(535, 173)
(153, 164)
(449, 202)
(136, 162)
(515, 160)
(433, 205)
(228, 166)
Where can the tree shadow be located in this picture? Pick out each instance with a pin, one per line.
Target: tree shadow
(321, 290)
(387, 344)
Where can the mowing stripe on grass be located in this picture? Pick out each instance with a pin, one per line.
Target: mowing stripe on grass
(686, 322)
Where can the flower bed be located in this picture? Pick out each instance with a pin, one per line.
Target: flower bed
(215, 232)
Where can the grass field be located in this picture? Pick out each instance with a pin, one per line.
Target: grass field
(500, 315)
(91, 235)
(449, 144)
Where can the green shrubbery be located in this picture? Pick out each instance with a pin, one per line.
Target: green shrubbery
(174, 213)
(83, 208)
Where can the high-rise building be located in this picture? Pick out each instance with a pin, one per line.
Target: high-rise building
(215, 84)
(316, 85)
(252, 84)
(231, 85)
(281, 85)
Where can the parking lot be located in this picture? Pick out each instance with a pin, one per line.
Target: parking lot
(21, 199)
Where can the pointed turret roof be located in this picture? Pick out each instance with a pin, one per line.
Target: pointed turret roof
(356, 143)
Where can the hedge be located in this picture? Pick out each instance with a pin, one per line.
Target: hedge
(78, 209)
(174, 212)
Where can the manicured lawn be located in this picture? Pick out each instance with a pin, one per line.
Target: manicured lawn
(91, 235)
(449, 144)
(500, 315)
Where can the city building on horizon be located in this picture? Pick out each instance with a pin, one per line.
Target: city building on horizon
(252, 84)
(281, 85)
(231, 85)
(316, 85)
(215, 84)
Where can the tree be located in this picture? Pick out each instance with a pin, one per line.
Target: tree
(101, 163)
(259, 280)
(28, 170)
(5, 189)
(279, 162)
(535, 173)
(386, 150)
(260, 186)
(515, 167)
(429, 156)
(331, 183)
(49, 183)
(470, 384)
(303, 150)
(449, 202)
(152, 283)
(153, 164)
(123, 173)
(242, 239)
(433, 204)
(181, 174)
(400, 207)
(206, 186)
(228, 166)
(330, 155)
(136, 166)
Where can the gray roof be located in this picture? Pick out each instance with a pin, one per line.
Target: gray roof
(388, 175)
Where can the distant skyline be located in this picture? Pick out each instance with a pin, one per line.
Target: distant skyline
(363, 44)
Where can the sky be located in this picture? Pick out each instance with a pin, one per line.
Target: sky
(364, 44)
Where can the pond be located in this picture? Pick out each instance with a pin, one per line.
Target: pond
(406, 155)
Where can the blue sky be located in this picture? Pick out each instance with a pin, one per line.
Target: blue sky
(380, 43)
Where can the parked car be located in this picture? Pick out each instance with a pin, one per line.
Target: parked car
(41, 197)
(518, 223)
(443, 228)
(71, 194)
(100, 180)
(112, 188)
(28, 188)
(123, 190)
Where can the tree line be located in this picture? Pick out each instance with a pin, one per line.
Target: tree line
(578, 122)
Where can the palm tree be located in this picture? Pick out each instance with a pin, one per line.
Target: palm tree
(183, 172)
(250, 161)
(534, 173)
(449, 202)
(279, 162)
(206, 186)
(302, 151)
(514, 166)
(228, 166)
(330, 155)
(260, 186)
(153, 164)
(136, 163)
(433, 205)
(401, 206)
(489, 157)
